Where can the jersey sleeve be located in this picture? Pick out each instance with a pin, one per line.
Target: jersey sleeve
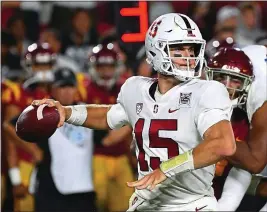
(214, 106)
(82, 85)
(257, 96)
(117, 116)
(258, 91)
(11, 93)
(6, 96)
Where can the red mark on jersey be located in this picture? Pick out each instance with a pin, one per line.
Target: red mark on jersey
(155, 141)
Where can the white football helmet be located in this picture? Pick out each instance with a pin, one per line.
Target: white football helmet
(172, 29)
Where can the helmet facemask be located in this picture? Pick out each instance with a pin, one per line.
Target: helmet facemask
(39, 62)
(105, 67)
(190, 66)
(39, 72)
(108, 83)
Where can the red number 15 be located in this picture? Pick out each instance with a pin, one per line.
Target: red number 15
(155, 141)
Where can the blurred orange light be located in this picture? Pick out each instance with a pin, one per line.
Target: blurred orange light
(140, 11)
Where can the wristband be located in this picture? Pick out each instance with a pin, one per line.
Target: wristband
(78, 115)
(255, 181)
(14, 175)
(178, 164)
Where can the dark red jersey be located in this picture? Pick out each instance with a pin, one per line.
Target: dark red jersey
(100, 95)
(240, 127)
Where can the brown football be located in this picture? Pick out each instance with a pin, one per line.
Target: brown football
(37, 123)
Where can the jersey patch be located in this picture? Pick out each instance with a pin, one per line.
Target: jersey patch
(139, 107)
(185, 98)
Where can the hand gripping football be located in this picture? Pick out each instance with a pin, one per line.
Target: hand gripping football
(37, 123)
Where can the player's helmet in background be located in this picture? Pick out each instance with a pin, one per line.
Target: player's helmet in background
(232, 64)
(104, 55)
(39, 61)
(173, 29)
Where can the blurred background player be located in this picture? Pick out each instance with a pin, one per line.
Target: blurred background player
(111, 153)
(12, 76)
(65, 175)
(38, 65)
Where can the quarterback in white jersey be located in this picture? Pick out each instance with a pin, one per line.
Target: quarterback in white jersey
(180, 123)
(167, 125)
(244, 73)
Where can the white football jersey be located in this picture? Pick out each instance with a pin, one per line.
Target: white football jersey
(71, 149)
(257, 94)
(168, 127)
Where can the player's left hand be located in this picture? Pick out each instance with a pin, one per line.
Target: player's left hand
(149, 181)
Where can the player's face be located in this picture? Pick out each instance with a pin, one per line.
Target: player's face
(43, 67)
(106, 72)
(182, 50)
(65, 94)
(231, 82)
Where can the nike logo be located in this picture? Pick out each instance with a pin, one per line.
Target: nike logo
(172, 111)
(198, 209)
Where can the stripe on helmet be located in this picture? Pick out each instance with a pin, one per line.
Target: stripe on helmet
(187, 23)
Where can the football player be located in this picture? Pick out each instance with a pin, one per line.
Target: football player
(110, 150)
(244, 72)
(67, 156)
(10, 87)
(181, 124)
(38, 62)
(239, 122)
(256, 106)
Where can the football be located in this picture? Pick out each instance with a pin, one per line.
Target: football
(37, 123)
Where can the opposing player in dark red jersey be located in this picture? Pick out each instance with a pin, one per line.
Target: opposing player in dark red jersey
(243, 72)
(111, 149)
(248, 71)
(39, 62)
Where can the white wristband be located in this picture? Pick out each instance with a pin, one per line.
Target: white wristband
(78, 115)
(178, 164)
(14, 175)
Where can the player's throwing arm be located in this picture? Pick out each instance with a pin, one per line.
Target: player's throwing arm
(90, 116)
